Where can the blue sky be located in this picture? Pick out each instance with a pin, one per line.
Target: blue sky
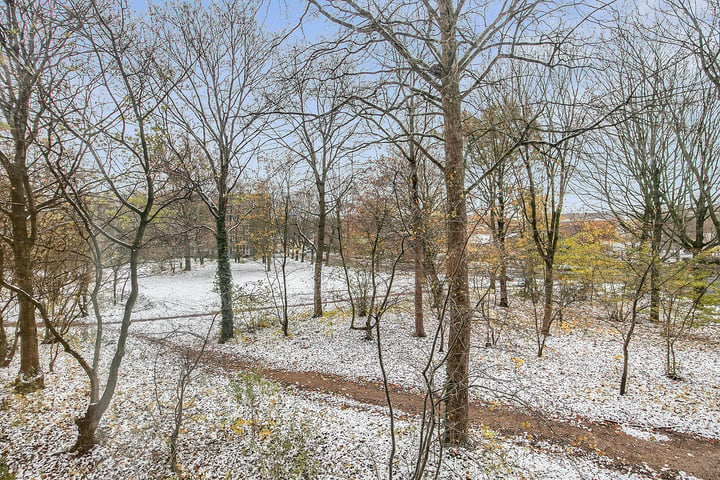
(277, 14)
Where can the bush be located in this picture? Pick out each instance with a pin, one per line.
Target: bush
(280, 439)
(250, 305)
(5, 473)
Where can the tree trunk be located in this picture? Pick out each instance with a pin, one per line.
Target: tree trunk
(457, 404)
(22, 214)
(115, 270)
(179, 411)
(88, 423)
(671, 366)
(503, 286)
(626, 360)
(654, 292)
(30, 377)
(417, 244)
(503, 267)
(224, 274)
(436, 287)
(530, 283)
(419, 281)
(656, 239)
(319, 251)
(627, 339)
(548, 304)
(83, 301)
(87, 426)
(3, 342)
(285, 322)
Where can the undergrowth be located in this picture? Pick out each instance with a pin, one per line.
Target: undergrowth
(5, 473)
(280, 438)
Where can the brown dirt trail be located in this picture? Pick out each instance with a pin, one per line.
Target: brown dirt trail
(694, 455)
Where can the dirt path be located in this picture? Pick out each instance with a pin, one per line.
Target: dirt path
(694, 455)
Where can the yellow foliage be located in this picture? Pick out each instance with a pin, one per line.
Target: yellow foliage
(237, 427)
(487, 433)
(566, 327)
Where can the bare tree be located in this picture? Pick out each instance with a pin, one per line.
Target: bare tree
(109, 125)
(282, 211)
(318, 127)
(697, 132)
(371, 238)
(406, 121)
(558, 123)
(634, 156)
(692, 194)
(493, 154)
(449, 45)
(624, 295)
(218, 107)
(33, 39)
(184, 351)
(698, 34)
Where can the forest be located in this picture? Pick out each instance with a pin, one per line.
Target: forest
(359, 239)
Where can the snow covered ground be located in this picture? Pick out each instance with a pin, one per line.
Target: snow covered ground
(578, 375)
(235, 426)
(227, 437)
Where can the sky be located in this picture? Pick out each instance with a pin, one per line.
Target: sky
(282, 14)
(276, 15)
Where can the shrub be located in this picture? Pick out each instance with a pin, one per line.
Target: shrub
(280, 438)
(5, 473)
(250, 302)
